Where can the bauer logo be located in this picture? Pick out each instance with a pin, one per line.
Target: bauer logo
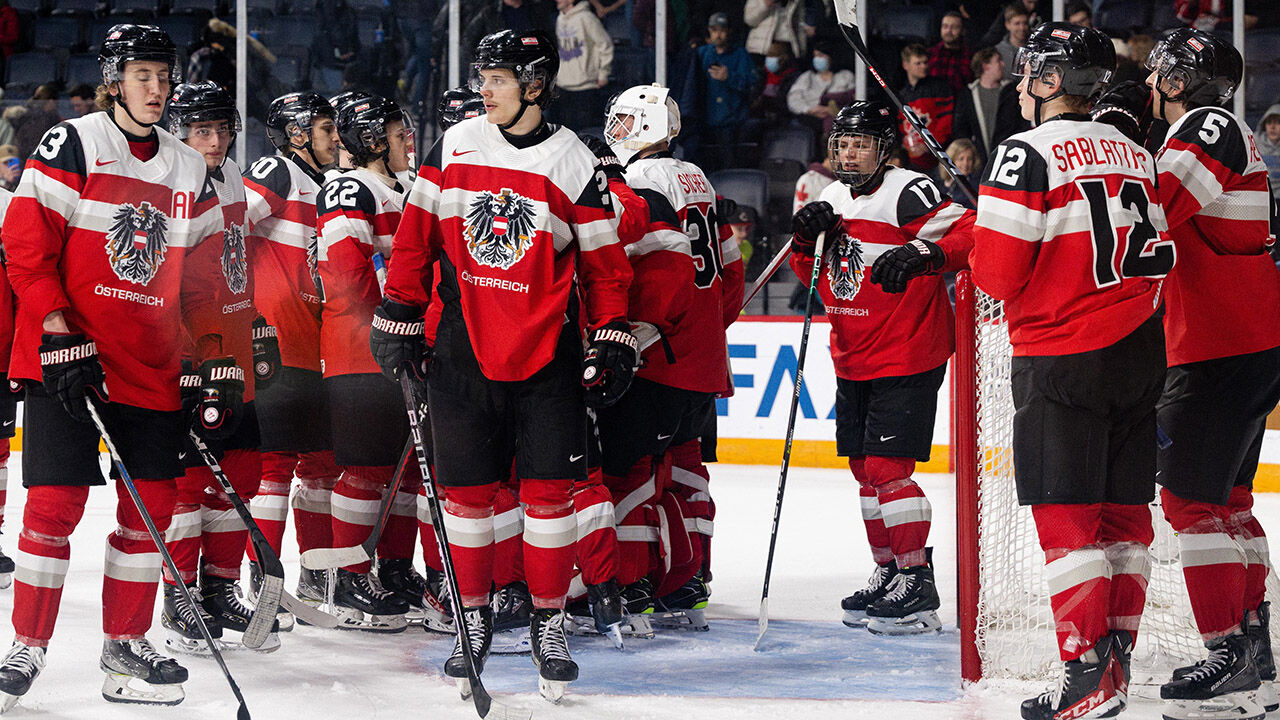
(136, 242)
(1195, 44)
(499, 228)
(1061, 34)
(845, 270)
(235, 265)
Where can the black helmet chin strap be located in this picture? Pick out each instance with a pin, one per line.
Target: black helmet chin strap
(524, 105)
(125, 106)
(1040, 101)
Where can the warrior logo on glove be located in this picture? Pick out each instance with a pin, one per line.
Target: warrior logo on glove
(499, 228)
(136, 242)
(845, 269)
(234, 263)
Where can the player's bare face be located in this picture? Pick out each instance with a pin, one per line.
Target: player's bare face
(501, 93)
(858, 153)
(212, 139)
(399, 144)
(1039, 87)
(143, 86)
(324, 140)
(1162, 85)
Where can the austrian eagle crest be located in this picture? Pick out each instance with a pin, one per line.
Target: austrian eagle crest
(845, 268)
(136, 242)
(234, 262)
(499, 228)
(313, 262)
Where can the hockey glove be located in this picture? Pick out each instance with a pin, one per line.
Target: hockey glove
(893, 269)
(71, 371)
(605, 156)
(811, 221)
(266, 352)
(611, 360)
(221, 398)
(189, 388)
(397, 340)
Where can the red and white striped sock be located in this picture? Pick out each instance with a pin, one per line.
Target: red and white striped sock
(1213, 563)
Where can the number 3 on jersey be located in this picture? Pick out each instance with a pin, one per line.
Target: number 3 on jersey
(705, 245)
(1141, 250)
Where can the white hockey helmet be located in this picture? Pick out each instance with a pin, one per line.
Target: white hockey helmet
(640, 117)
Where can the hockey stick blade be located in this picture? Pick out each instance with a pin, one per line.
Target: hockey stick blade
(330, 558)
(770, 270)
(306, 613)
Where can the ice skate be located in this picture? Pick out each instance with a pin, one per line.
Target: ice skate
(20, 668)
(855, 606)
(222, 601)
(511, 606)
(551, 653)
(684, 608)
(605, 600)
(1259, 633)
(6, 570)
(637, 598)
(283, 617)
(360, 605)
(136, 673)
(478, 622)
(1223, 685)
(1121, 663)
(400, 579)
(910, 606)
(1085, 689)
(182, 634)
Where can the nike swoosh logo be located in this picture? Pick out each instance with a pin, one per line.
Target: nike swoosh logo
(7, 423)
(887, 438)
(384, 203)
(99, 163)
(575, 458)
(663, 437)
(303, 194)
(460, 154)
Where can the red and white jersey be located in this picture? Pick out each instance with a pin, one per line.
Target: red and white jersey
(105, 237)
(878, 334)
(1071, 236)
(281, 193)
(685, 265)
(518, 227)
(6, 297)
(1223, 298)
(219, 305)
(359, 213)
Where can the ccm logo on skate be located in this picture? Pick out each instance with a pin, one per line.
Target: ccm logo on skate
(79, 352)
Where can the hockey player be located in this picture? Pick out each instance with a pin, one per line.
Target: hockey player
(359, 212)
(10, 394)
(517, 215)
(1222, 330)
(293, 410)
(206, 537)
(891, 339)
(458, 104)
(104, 219)
(1071, 237)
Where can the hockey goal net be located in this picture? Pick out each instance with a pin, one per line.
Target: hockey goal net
(1006, 625)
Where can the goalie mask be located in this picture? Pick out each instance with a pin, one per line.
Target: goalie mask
(201, 102)
(1201, 68)
(1080, 60)
(639, 118)
(862, 137)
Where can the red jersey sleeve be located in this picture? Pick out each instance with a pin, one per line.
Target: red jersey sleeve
(409, 271)
(266, 188)
(1010, 220)
(924, 213)
(734, 272)
(633, 212)
(602, 264)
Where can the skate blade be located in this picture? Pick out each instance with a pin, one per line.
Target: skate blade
(511, 642)
(352, 619)
(679, 620)
(270, 644)
(119, 688)
(175, 642)
(913, 624)
(635, 626)
(7, 702)
(285, 618)
(552, 690)
(464, 688)
(855, 619)
(1267, 698)
(615, 635)
(1232, 706)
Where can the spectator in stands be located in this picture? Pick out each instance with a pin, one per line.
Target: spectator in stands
(987, 110)
(742, 222)
(1079, 13)
(814, 180)
(82, 99)
(1261, 14)
(964, 154)
(949, 59)
(1268, 139)
(780, 74)
(521, 15)
(10, 30)
(586, 59)
(604, 8)
(9, 122)
(729, 77)
(809, 98)
(1000, 25)
(41, 114)
(774, 21)
(932, 99)
(10, 167)
(644, 21)
(337, 41)
(1017, 24)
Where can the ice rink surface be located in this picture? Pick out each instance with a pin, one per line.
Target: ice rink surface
(814, 666)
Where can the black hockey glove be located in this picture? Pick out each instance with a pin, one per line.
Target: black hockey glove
(266, 352)
(189, 388)
(221, 398)
(611, 360)
(608, 161)
(811, 221)
(397, 340)
(893, 269)
(71, 372)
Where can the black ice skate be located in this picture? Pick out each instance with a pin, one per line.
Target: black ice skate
(283, 617)
(551, 653)
(1222, 686)
(511, 606)
(400, 579)
(1259, 633)
(605, 600)
(20, 668)
(637, 597)
(222, 601)
(360, 605)
(1085, 689)
(478, 622)
(178, 619)
(855, 606)
(909, 607)
(6, 570)
(136, 673)
(596, 609)
(684, 608)
(1121, 663)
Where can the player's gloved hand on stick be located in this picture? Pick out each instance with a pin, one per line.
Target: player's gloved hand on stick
(608, 160)
(811, 221)
(221, 400)
(893, 269)
(611, 360)
(71, 372)
(397, 339)
(266, 352)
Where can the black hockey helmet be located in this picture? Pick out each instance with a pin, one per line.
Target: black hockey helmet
(362, 125)
(1203, 69)
(1127, 106)
(128, 42)
(1082, 59)
(346, 96)
(297, 110)
(866, 118)
(458, 104)
(532, 56)
(201, 102)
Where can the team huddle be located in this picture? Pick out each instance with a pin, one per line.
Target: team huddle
(509, 353)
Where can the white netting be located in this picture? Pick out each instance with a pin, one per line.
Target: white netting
(1015, 636)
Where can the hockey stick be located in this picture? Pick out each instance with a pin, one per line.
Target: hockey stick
(767, 274)
(158, 539)
(268, 604)
(847, 17)
(330, 558)
(483, 701)
(791, 431)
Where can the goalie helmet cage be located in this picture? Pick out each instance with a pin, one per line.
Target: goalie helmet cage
(1006, 626)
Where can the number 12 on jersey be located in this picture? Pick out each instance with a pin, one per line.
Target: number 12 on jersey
(1126, 244)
